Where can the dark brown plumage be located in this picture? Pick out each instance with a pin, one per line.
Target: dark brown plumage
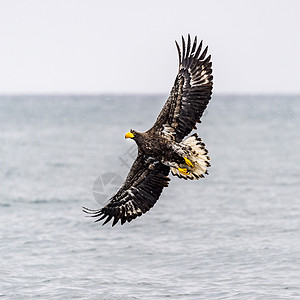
(162, 147)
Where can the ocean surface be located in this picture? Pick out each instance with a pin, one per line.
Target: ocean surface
(233, 235)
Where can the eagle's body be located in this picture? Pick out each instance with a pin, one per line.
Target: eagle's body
(163, 148)
(159, 147)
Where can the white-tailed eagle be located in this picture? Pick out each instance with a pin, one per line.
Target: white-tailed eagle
(163, 148)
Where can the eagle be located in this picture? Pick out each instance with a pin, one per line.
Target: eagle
(162, 148)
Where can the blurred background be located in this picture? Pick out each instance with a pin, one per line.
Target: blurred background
(92, 46)
(75, 76)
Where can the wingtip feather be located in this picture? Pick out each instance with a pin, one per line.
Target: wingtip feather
(179, 52)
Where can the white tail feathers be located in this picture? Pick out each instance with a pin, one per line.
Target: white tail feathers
(198, 156)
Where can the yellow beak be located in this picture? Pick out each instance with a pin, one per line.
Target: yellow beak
(129, 135)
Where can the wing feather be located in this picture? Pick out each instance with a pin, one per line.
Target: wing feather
(194, 46)
(183, 46)
(140, 191)
(191, 92)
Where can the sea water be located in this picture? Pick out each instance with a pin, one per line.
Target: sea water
(233, 235)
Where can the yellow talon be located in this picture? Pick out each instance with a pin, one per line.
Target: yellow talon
(183, 171)
(188, 162)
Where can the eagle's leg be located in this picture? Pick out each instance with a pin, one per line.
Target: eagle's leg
(183, 171)
(188, 162)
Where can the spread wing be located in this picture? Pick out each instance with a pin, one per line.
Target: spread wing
(140, 191)
(190, 94)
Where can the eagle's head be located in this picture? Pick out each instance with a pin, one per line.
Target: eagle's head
(131, 134)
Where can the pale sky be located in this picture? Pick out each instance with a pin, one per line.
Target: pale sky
(90, 46)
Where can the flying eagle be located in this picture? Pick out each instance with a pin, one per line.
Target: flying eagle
(163, 148)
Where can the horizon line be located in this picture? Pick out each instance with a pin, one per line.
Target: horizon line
(66, 94)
